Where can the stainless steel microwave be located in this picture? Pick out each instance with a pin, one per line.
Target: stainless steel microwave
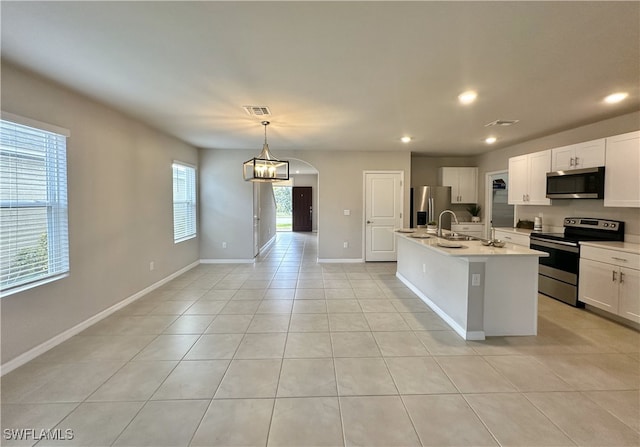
(585, 183)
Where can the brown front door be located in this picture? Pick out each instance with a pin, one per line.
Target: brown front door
(302, 208)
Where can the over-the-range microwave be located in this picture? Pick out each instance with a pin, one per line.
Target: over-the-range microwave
(585, 183)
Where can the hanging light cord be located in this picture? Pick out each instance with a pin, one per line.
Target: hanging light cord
(265, 124)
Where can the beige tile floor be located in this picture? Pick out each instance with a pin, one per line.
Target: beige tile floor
(288, 352)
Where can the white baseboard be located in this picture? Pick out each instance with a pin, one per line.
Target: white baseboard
(227, 261)
(268, 244)
(55, 341)
(340, 260)
(462, 332)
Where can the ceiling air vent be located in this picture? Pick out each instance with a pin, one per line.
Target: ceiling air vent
(501, 123)
(259, 111)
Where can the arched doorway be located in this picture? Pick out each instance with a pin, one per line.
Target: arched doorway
(297, 199)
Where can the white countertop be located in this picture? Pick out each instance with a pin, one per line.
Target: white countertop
(627, 247)
(469, 248)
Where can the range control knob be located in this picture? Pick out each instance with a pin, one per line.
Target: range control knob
(606, 224)
(573, 221)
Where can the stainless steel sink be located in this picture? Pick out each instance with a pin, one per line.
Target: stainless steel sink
(459, 237)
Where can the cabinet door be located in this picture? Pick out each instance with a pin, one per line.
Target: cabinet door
(518, 180)
(539, 165)
(468, 185)
(629, 301)
(449, 177)
(562, 158)
(622, 173)
(598, 284)
(589, 154)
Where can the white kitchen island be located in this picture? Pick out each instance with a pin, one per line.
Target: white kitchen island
(478, 290)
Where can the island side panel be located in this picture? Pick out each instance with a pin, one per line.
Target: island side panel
(511, 296)
(441, 279)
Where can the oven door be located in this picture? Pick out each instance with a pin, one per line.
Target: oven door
(558, 273)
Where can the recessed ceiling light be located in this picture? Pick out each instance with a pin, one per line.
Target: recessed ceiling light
(490, 140)
(615, 97)
(467, 97)
(405, 139)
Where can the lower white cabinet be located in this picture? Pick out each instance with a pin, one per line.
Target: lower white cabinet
(512, 237)
(469, 229)
(610, 280)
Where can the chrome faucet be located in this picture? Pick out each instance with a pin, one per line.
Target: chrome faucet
(440, 220)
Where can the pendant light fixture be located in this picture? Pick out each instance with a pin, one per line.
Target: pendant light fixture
(265, 167)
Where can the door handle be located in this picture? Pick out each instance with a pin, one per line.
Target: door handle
(369, 221)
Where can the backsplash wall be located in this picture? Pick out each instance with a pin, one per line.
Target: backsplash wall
(553, 216)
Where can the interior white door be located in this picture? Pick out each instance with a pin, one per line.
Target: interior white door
(256, 219)
(383, 214)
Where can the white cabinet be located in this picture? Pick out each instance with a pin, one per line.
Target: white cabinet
(610, 280)
(528, 179)
(469, 229)
(622, 170)
(512, 237)
(589, 154)
(463, 182)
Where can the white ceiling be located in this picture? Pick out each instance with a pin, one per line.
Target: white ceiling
(338, 75)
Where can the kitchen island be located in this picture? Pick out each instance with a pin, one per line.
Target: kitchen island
(478, 290)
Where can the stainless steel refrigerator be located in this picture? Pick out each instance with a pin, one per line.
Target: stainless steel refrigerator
(427, 204)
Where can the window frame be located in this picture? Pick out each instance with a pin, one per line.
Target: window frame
(56, 204)
(191, 201)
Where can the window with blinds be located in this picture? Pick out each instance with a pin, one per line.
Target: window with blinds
(184, 202)
(33, 205)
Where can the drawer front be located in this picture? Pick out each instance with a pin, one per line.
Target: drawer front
(609, 256)
(518, 239)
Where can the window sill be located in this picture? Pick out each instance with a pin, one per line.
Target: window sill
(31, 285)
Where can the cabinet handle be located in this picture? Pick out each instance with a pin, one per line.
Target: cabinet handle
(571, 161)
(507, 237)
(621, 277)
(613, 276)
(576, 162)
(619, 259)
(523, 199)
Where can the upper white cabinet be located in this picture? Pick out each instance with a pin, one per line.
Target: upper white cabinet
(528, 179)
(622, 170)
(578, 156)
(463, 182)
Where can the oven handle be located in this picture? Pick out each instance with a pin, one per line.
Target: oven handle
(566, 246)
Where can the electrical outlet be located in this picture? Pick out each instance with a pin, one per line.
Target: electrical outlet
(152, 266)
(475, 279)
(346, 244)
(224, 245)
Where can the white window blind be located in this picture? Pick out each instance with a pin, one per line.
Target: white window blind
(184, 202)
(33, 205)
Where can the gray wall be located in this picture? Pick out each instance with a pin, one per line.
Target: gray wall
(226, 200)
(340, 187)
(553, 215)
(120, 211)
(226, 205)
(267, 213)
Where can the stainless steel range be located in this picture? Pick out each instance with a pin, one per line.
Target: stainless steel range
(558, 273)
